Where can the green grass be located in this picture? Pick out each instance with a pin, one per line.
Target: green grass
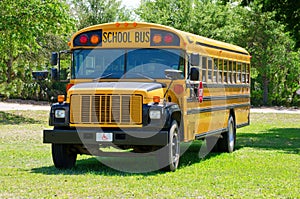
(266, 164)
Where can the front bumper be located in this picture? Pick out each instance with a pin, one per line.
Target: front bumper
(136, 137)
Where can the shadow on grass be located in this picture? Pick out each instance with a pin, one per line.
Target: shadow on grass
(94, 166)
(12, 119)
(284, 139)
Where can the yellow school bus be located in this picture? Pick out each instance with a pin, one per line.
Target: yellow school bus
(146, 88)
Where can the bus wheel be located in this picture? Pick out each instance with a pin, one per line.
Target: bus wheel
(63, 157)
(227, 142)
(169, 155)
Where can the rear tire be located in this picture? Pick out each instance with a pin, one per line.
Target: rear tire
(227, 142)
(63, 157)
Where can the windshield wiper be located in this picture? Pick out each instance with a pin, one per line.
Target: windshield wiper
(145, 76)
(102, 77)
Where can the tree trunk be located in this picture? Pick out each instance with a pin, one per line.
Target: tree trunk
(9, 64)
(266, 89)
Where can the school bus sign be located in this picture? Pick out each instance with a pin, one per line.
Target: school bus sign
(122, 39)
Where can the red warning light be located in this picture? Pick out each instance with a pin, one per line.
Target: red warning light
(83, 39)
(168, 38)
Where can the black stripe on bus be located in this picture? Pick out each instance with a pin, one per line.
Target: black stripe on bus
(218, 131)
(215, 98)
(218, 98)
(210, 133)
(207, 85)
(220, 48)
(218, 108)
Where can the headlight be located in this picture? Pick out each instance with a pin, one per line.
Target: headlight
(155, 114)
(60, 114)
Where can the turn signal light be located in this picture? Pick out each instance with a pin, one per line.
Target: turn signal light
(61, 98)
(156, 99)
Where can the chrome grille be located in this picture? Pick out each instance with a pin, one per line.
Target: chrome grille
(106, 109)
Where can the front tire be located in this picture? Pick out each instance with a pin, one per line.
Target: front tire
(169, 155)
(63, 157)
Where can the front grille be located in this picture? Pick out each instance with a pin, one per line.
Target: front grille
(106, 109)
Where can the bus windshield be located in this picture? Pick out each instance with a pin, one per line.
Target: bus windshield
(125, 63)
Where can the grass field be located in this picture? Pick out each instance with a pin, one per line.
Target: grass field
(266, 164)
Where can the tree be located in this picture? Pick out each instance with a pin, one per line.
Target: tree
(286, 12)
(175, 13)
(271, 50)
(92, 12)
(275, 66)
(24, 26)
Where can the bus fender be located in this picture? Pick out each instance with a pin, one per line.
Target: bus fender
(172, 112)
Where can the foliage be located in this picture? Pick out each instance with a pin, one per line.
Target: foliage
(174, 13)
(92, 12)
(29, 29)
(273, 58)
(275, 66)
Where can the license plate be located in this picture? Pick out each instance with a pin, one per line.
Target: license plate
(104, 137)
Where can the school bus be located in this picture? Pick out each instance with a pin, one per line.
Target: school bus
(148, 87)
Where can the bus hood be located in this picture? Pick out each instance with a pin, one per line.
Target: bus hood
(116, 88)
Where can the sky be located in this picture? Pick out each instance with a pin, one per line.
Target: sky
(131, 3)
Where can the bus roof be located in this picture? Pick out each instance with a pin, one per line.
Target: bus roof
(188, 40)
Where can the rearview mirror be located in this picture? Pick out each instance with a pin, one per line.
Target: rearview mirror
(40, 75)
(195, 59)
(54, 74)
(194, 74)
(54, 59)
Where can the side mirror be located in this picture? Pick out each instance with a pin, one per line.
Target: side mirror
(173, 74)
(195, 59)
(54, 74)
(195, 74)
(40, 75)
(54, 59)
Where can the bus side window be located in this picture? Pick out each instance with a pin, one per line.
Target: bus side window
(216, 72)
(243, 73)
(204, 69)
(221, 69)
(210, 70)
(234, 72)
(248, 73)
(230, 72)
(239, 69)
(225, 80)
